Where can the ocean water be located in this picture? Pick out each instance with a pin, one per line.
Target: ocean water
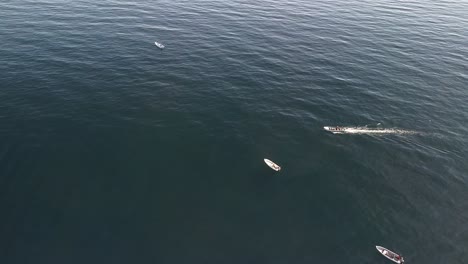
(114, 151)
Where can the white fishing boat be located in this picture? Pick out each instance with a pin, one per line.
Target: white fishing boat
(159, 45)
(390, 255)
(272, 165)
(365, 130)
(335, 129)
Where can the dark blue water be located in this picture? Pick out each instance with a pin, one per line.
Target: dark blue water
(114, 151)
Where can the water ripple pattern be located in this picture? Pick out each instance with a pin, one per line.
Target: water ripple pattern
(115, 151)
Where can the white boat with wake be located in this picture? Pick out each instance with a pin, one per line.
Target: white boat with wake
(391, 255)
(364, 130)
(159, 45)
(272, 165)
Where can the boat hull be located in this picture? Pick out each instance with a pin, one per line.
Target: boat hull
(272, 165)
(389, 254)
(159, 45)
(334, 130)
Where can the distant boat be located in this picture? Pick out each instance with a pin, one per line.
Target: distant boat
(159, 45)
(366, 130)
(272, 165)
(390, 255)
(335, 129)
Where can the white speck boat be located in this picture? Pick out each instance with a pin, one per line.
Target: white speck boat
(159, 45)
(390, 255)
(272, 165)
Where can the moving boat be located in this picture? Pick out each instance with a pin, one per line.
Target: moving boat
(390, 255)
(159, 45)
(335, 129)
(364, 130)
(272, 165)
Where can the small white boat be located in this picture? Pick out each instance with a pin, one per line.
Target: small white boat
(365, 130)
(272, 165)
(390, 255)
(335, 129)
(159, 45)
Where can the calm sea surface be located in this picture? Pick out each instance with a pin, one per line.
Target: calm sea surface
(114, 151)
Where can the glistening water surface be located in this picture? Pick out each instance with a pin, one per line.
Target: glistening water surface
(115, 151)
